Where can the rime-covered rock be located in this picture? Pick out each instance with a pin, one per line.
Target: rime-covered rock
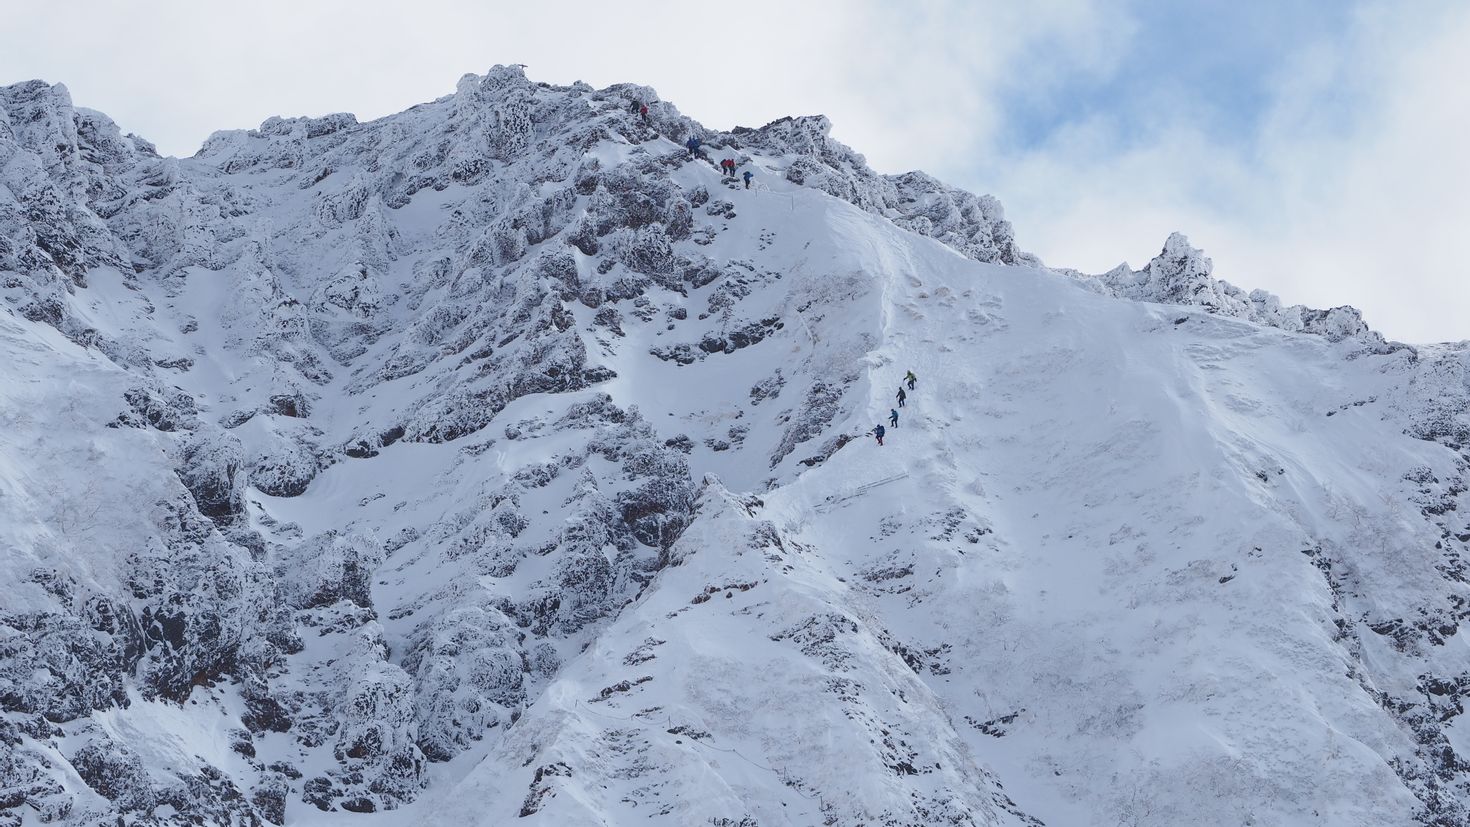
(328, 568)
(1181, 274)
(469, 676)
(283, 469)
(212, 467)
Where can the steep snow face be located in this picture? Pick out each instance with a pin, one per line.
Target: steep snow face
(499, 460)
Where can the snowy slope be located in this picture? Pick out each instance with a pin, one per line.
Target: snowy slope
(495, 460)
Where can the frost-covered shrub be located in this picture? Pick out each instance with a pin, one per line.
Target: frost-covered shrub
(648, 251)
(469, 676)
(558, 268)
(328, 568)
(343, 312)
(379, 765)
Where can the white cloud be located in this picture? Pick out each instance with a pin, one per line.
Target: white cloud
(906, 83)
(1354, 192)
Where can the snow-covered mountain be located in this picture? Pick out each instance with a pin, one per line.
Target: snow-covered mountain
(497, 461)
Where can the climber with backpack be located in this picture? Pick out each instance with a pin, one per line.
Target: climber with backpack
(901, 396)
(893, 417)
(911, 379)
(878, 432)
(693, 144)
(643, 110)
(749, 175)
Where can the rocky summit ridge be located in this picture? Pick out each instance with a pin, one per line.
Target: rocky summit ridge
(501, 459)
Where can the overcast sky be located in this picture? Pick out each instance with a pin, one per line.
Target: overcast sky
(1315, 148)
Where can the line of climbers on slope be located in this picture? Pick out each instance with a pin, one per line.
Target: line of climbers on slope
(878, 430)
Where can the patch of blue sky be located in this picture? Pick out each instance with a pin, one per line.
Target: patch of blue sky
(1217, 62)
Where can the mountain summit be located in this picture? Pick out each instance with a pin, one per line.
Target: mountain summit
(507, 459)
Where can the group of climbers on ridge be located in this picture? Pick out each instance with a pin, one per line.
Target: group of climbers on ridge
(878, 430)
(727, 165)
(693, 144)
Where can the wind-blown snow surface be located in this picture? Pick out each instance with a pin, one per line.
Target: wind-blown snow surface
(495, 461)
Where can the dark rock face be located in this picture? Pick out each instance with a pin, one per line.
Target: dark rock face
(118, 774)
(27, 781)
(212, 469)
(292, 405)
(62, 666)
(115, 773)
(173, 411)
(284, 470)
(820, 407)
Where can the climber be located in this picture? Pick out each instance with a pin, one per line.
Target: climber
(748, 175)
(636, 106)
(901, 397)
(893, 417)
(693, 143)
(643, 110)
(911, 379)
(878, 432)
(729, 164)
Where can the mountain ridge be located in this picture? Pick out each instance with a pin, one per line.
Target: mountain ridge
(410, 468)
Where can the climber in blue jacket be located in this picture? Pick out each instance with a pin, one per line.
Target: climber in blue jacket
(693, 143)
(878, 432)
(749, 175)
